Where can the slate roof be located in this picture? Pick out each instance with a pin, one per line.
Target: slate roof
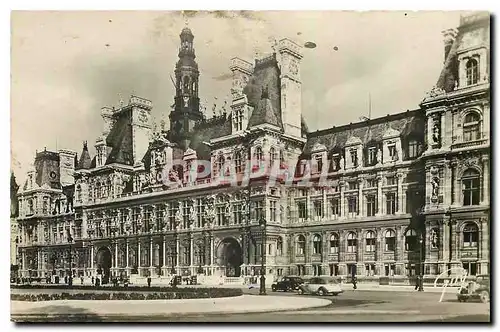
(205, 131)
(266, 77)
(371, 131)
(85, 160)
(120, 139)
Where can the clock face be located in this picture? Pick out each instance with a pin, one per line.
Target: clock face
(53, 175)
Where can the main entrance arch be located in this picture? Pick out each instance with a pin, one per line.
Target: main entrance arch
(103, 259)
(230, 257)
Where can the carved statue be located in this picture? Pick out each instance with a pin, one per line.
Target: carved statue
(192, 213)
(341, 163)
(436, 131)
(178, 214)
(434, 238)
(435, 186)
(379, 156)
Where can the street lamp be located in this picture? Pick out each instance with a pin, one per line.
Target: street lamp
(262, 224)
(421, 267)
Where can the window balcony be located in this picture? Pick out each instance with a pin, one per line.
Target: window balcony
(469, 144)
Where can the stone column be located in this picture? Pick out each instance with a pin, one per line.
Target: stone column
(211, 253)
(138, 255)
(164, 254)
(191, 244)
(485, 195)
(361, 207)
(151, 252)
(325, 207)
(127, 258)
(379, 196)
(92, 258)
(24, 259)
(116, 255)
(177, 244)
(485, 250)
(400, 177)
(342, 199)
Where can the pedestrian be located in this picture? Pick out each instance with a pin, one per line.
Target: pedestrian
(93, 280)
(354, 282)
(416, 282)
(149, 281)
(81, 279)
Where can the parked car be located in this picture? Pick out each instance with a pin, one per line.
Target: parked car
(287, 284)
(321, 286)
(475, 290)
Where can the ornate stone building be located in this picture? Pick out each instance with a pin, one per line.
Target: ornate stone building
(373, 198)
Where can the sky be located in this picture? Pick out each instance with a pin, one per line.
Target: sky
(65, 66)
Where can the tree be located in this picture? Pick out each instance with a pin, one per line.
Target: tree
(14, 187)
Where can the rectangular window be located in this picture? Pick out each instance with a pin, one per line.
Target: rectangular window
(391, 180)
(352, 205)
(354, 157)
(318, 210)
(237, 215)
(220, 215)
(335, 206)
(370, 270)
(391, 203)
(336, 162)
(390, 270)
(471, 191)
(319, 164)
(334, 270)
(390, 243)
(353, 185)
(302, 210)
(370, 244)
(371, 183)
(413, 149)
(470, 267)
(272, 210)
(392, 151)
(371, 207)
(259, 212)
(372, 156)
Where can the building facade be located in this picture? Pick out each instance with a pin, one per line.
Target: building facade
(213, 196)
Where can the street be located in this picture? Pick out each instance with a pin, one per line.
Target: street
(351, 306)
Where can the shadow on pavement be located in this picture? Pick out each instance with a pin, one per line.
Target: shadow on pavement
(56, 314)
(462, 319)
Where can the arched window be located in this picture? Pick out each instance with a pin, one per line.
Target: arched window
(238, 162)
(471, 127)
(78, 193)
(334, 244)
(279, 246)
(219, 164)
(352, 242)
(97, 190)
(411, 240)
(317, 244)
(370, 241)
(471, 235)
(472, 71)
(301, 244)
(390, 240)
(30, 206)
(470, 187)
(272, 156)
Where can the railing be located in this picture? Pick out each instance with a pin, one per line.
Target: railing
(470, 144)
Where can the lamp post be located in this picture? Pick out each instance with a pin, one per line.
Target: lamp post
(421, 265)
(70, 240)
(262, 291)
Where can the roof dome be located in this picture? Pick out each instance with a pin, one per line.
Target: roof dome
(353, 140)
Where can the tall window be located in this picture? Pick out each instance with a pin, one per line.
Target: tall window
(351, 242)
(391, 180)
(471, 127)
(335, 205)
(279, 246)
(413, 148)
(259, 213)
(272, 210)
(301, 244)
(391, 203)
(390, 240)
(371, 183)
(392, 151)
(371, 206)
(472, 71)
(302, 210)
(219, 164)
(237, 214)
(353, 185)
(238, 162)
(272, 156)
(317, 244)
(352, 205)
(354, 157)
(370, 241)
(372, 155)
(238, 120)
(411, 240)
(30, 206)
(470, 235)
(470, 187)
(318, 210)
(336, 162)
(319, 163)
(334, 243)
(258, 154)
(220, 215)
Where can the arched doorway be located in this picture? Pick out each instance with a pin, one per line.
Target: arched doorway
(230, 257)
(103, 259)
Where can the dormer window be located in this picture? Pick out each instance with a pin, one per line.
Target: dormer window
(30, 181)
(258, 154)
(336, 162)
(219, 164)
(392, 151)
(318, 163)
(238, 162)
(472, 71)
(471, 127)
(238, 120)
(354, 157)
(272, 156)
(413, 148)
(372, 156)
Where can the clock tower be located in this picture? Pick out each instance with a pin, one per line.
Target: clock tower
(186, 110)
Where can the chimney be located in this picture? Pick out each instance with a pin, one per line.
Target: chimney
(449, 36)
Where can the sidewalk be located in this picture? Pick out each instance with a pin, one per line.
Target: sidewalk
(52, 310)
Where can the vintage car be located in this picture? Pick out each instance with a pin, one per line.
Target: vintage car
(286, 284)
(475, 290)
(321, 286)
